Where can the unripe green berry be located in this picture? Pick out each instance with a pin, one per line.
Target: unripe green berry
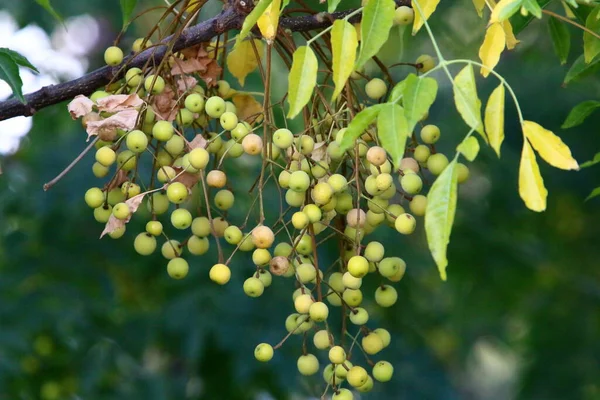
(376, 88)
(283, 138)
(383, 371)
(113, 56)
(106, 156)
(436, 163)
(121, 211)
(263, 352)
(177, 192)
(154, 84)
(94, 197)
(430, 134)
(372, 344)
(144, 244)
(178, 268)
(154, 228)
(337, 355)
(194, 102)
(404, 15)
(253, 287)
(386, 296)
(215, 107)
(163, 130)
(411, 183)
(425, 62)
(181, 218)
(358, 266)
(308, 364)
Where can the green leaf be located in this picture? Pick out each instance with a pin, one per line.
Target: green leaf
(392, 131)
(505, 9)
(533, 8)
(358, 125)
(579, 113)
(439, 215)
(419, 95)
(251, 19)
(581, 12)
(9, 72)
(580, 69)
(18, 58)
(332, 5)
(593, 161)
(469, 148)
(595, 193)
(466, 100)
(127, 7)
(302, 79)
(397, 92)
(519, 22)
(343, 49)
(591, 44)
(378, 18)
(284, 4)
(561, 39)
(48, 7)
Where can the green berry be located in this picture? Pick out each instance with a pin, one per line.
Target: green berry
(215, 107)
(372, 343)
(425, 63)
(136, 141)
(263, 352)
(99, 170)
(228, 120)
(194, 102)
(384, 335)
(386, 296)
(418, 205)
(177, 192)
(436, 163)
(322, 193)
(201, 226)
(233, 235)
(383, 371)
(181, 218)
(318, 311)
(127, 160)
(178, 268)
(283, 138)
(94, 197)
(154, 84)
(300, 220)
(411, 183)
(299, 181)
(376, 88)
(358, 266)
(357, 376)
(462, 172)
(404, 15)
(171, 249)
(106, 156)
(113, 56)
(158, 203)
(121, 211)
(133, 77)
(144, 244)
(321, 339)
(198, 245)
(175, 145)
(154, 228)
(359, 316)
(342, 394)
(253, 287)
(374, 252)
(337, 355)
(163, 130)
(422, 153)
(430, 134)
(224, 199)
(103, 213)
(308, 364)
(405, 224)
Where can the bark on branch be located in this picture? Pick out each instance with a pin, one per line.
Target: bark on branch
(230, 18)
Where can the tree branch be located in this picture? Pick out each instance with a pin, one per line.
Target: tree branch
(230, 18)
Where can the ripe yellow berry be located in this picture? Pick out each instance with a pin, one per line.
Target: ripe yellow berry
(263, 237)
(220, 273)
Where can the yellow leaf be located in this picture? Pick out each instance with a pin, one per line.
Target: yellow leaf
(469, 148)
(511, 40)
(242, 59)
(494, 118)
(505, 9)
(358, 29)
(343, 50)
(479, 6)
(551, 147)
(248, 109)
(425, 6)
(492, 48)
(269, 20)
(466, 100)
(531, 185)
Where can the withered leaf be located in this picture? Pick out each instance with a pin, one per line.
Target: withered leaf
(125, 120)
(248, 109)
(119, 102)
(114, 223)
(80, 106)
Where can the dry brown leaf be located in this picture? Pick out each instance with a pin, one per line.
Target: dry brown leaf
(197, 142)
(187, 178)
(165, 105)
(212, 73)
(118, 180)
(114, 223)
(80, 106)
(186, 83)
(189, 66)
(319, 152)
(125, 120)
(248, 109)
(119, 102)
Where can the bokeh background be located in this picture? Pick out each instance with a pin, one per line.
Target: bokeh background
(82, 318)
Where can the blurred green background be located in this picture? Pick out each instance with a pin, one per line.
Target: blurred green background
(519, 317)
